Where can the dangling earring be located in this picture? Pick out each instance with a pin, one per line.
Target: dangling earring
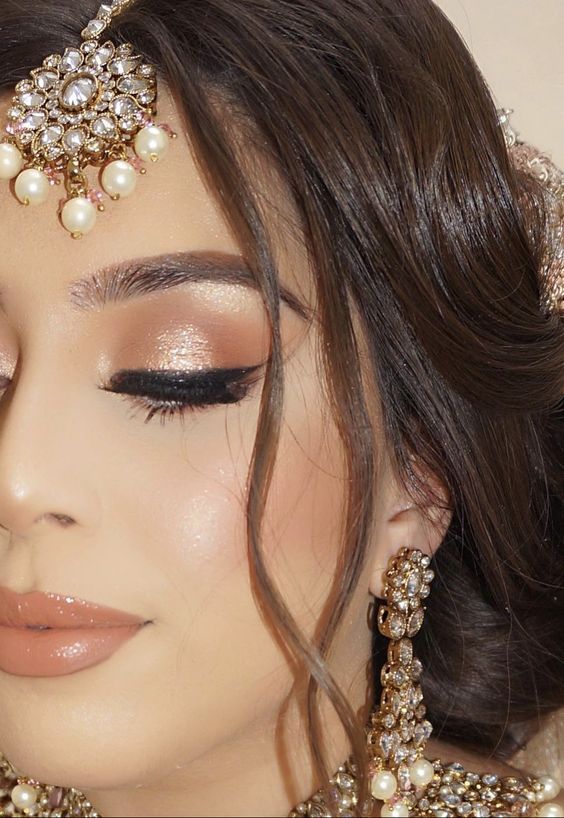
(400, 775)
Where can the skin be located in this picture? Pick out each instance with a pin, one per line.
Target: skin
(202, 712)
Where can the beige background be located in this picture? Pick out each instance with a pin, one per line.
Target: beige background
(519, 46)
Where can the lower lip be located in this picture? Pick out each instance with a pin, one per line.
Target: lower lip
(60, 651)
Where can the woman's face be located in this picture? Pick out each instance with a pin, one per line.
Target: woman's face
(149, 517)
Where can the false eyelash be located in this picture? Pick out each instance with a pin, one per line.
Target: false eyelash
(166, 393)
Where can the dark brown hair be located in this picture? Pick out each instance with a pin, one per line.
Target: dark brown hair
(415, 220)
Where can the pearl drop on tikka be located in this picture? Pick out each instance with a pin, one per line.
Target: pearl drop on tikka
(32, 187)
(11, 161)
(23, 796)
(119, 179)
(78, 216)
(151, 143)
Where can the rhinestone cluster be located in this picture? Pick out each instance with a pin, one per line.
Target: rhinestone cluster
(92, 105)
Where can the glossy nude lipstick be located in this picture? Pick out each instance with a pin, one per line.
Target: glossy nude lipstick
(43, 634)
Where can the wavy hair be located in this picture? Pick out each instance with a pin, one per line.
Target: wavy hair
(415, 220)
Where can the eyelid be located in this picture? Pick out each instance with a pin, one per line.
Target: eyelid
(156, 391)
(126, 379)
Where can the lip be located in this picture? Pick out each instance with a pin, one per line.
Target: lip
(44, 634)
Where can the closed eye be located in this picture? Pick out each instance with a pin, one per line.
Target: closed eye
(167, 393)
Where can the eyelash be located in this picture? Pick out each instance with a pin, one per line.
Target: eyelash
(168, 393)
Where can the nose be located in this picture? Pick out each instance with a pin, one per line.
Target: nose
(43, 479)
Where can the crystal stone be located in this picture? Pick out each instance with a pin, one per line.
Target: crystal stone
(93, 29)
(53, 151)
(93, 146)
(396, 625)
(23, 86)
(32, 99)
(15, 112)
(405, 651)
(52, 61)
(45, 80)
(124, 50)
(100, 57)
(415, 621)
(128, 124)
(413, 583)
(389, 743)
(104, 11)
(422, 732)
(147, 71)
(123, 65)
(123, 106)
(74, 139)
(72, 59)
(146, 97)
(33, 120)
(132, 85)
(104, 126)
(50, 134)
(78, 91)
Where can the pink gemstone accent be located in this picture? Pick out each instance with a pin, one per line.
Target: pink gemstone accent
(52, 175)
(136, 163)
(11, 128)
(95, 196)
(166, 128)
(146, 121)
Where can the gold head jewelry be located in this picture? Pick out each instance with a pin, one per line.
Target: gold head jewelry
(528, 158)
(93, 105)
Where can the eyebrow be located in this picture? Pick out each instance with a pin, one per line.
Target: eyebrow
(137, 277)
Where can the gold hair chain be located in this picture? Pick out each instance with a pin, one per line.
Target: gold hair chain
(538, 164)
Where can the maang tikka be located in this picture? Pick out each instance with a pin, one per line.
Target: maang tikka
(93, 105)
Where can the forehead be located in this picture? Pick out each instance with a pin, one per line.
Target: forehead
(170, 211)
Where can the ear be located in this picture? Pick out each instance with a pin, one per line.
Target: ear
(400, 522)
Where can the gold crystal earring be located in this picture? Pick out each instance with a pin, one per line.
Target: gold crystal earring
(400, 775)
(93, 105)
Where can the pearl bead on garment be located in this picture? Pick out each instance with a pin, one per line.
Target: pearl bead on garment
(550, 788)
(398, 810)
(23, 796)
(421, 772)
(383, 785)
(550, 811)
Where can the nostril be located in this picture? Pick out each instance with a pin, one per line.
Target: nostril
(62, 519)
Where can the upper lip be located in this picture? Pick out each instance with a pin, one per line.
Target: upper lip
(45, 610)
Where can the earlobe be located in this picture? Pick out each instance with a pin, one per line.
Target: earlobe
(403, 523)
